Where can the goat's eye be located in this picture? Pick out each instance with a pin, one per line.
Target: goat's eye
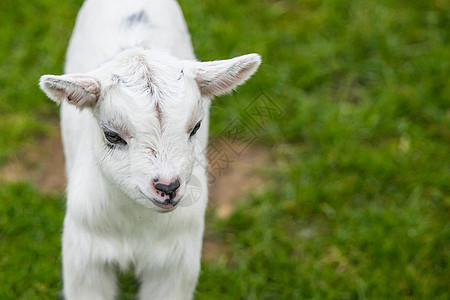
(114, 138)
(195, 129)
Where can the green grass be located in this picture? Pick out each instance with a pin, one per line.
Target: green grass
(30, 229)
(33, 37)
(358, 200)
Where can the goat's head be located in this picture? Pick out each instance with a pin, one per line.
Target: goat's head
(148, 109)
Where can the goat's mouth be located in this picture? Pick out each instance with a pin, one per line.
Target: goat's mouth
(167, 204)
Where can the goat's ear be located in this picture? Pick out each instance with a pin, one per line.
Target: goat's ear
(79, 89)
(219, 77)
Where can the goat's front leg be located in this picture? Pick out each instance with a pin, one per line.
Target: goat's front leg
(175, 283)
(174, 273)
(85, 277)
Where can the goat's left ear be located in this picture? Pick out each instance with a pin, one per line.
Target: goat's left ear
(219, 77)
(79, 89)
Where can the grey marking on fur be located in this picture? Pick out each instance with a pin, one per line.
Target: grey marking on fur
(138, 18)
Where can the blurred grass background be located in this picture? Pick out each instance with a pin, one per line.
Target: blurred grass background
(357, 205)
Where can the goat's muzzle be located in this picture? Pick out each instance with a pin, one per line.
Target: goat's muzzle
(166, 192)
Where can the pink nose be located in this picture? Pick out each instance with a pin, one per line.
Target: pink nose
(166, 190)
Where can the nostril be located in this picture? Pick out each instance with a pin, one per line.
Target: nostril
(176, 184)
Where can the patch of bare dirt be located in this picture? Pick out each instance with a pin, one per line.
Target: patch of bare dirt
(232, 175)
(41, 163)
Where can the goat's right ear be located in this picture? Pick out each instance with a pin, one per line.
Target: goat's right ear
(79, 89)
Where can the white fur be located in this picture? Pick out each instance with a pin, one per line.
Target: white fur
(118, 81)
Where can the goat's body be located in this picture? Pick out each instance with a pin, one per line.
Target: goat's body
(104, 229)
(106, 27)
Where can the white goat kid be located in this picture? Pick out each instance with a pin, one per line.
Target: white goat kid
(135, 124)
